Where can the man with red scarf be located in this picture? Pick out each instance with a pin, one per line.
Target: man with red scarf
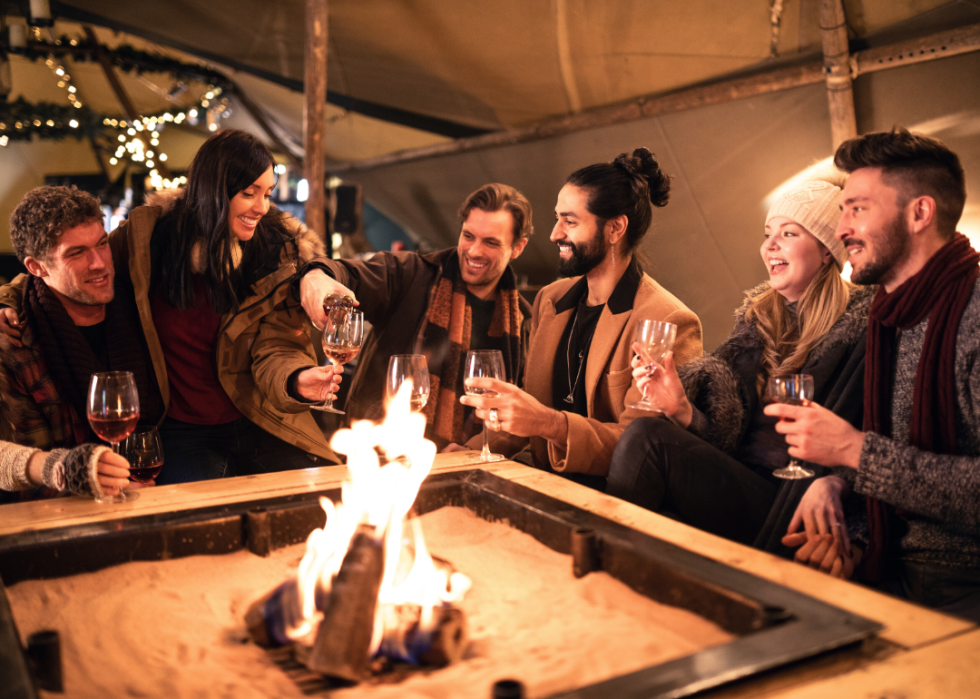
(917, 462)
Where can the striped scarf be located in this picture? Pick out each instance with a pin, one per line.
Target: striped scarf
(444, 339)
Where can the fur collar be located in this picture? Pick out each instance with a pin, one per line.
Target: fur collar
(848, 329)
(308, 243)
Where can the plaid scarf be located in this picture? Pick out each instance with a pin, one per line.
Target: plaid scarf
(71, 361)
(939, 291)
(444, 339)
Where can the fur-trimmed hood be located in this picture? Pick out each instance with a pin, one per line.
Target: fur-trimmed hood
(309, 245)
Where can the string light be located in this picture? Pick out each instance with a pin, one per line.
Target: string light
(64, 81)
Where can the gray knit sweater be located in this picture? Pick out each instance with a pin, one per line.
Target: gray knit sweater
(942, 492)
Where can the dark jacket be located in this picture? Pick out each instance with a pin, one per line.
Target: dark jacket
(393, 291)
(722, 386)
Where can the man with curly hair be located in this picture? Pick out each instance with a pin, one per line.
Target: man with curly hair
(71, 326)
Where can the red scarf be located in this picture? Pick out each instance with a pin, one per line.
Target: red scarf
(941, 291)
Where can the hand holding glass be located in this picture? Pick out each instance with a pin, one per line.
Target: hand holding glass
(113, 411)
(793, 389)
(484, 364)
(411, 367)
(656, 337)
(342, 335)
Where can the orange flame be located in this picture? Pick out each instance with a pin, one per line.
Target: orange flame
(379, 495)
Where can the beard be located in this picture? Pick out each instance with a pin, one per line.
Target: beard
(585, 257)
(895, 245)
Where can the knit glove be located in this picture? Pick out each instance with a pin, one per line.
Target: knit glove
(75, 470)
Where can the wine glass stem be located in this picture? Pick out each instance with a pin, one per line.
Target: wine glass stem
(485, 454)
(328, 402)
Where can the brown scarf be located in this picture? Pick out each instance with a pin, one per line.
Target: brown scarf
(71, 361)
(941, 291)
(444, 339)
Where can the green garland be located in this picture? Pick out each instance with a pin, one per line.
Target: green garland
(126, 58)
(20, 120)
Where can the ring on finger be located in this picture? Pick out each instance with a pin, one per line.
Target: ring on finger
(494, 420)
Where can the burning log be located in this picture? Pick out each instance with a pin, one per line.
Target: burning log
(438, 644)
(343, 641)
(268, 617)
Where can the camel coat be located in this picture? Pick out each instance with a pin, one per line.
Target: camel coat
(608, 375)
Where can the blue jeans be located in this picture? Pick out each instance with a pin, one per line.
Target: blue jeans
(239, 448)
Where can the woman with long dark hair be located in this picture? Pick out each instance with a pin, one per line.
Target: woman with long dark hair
(710, 463)
(211, 266)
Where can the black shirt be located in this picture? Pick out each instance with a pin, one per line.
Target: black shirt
(568, 379)
(95, 337)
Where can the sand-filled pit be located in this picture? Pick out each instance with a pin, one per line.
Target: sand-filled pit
(176, 628)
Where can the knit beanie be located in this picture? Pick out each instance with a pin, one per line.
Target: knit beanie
(815, 205)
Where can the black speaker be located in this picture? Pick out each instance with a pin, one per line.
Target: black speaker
(347, 215)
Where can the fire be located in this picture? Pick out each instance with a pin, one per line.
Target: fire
(380, 496)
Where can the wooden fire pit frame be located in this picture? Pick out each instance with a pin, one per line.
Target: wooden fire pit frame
(774, 624)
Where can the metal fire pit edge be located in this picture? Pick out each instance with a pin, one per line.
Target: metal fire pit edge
(775, 625)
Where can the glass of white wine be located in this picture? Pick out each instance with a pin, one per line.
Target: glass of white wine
(792, 389)
(342, 336)
(409, 367)
(656, 337)
(484, 364)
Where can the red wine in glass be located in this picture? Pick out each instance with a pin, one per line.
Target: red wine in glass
(114, 429)
(144, 451)
(113, 408)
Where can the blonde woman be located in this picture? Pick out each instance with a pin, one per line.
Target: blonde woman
(710, 463)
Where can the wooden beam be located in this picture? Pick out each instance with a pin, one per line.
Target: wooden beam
(837, 68)
(256, 113)
(939, 45)
(122, 96)
(315, 114)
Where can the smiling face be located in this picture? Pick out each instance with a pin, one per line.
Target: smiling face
(792, 256)
(486, 247)
(247, 208)
(78, 269)
(581, 245)
(873, 229)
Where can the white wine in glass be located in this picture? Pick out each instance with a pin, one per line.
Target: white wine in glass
(113, 408)
(409, 367)
(792, 389)
(656, 337)
(342, 336)
(484, 364)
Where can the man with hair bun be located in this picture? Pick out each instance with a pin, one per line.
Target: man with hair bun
(578, 376)
(440, 305)
(917, 460)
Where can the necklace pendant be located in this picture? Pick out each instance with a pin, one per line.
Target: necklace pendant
(569, 399)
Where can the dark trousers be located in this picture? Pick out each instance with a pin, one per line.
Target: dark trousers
(664, 468)
(240, 448)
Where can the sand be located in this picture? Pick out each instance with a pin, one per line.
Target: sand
(175, 628)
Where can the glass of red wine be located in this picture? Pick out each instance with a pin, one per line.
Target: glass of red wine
(113, 411)
(342, 335)
(793, 389)
(144, 451)
(489, 364)
(409, 367)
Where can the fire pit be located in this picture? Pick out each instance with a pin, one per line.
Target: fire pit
(773, 625)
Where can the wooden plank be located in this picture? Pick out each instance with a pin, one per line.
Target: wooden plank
(315, 114)
(907, 625)
(946, 669)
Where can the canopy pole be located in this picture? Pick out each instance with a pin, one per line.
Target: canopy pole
(837, 69)
(315, 114)
(122, 96)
